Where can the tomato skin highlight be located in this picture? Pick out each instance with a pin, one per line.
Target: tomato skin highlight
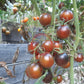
(61, 59)
(34, 70)
(63, 32)
(31, 47)
(47, 45)
(45, 19)
(66, 15)
(79, 57)
(46, 60)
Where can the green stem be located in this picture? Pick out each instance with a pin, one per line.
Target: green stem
(34, 2)
(76, 23)
(76, 42)
(71, 68)
(53, 17)
(53, 12)
(69, 44)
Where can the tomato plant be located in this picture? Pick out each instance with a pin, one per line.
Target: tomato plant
(62, 23)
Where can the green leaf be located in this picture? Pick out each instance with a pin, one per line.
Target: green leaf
(39, 81)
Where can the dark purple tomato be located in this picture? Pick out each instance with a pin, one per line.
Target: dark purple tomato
(61, 4)
(61, 59)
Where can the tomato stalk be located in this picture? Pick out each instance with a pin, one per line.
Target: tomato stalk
(76, 24)
(53, 12)
(76, 20)
(53, 17)
(71, 68)
(34, 2)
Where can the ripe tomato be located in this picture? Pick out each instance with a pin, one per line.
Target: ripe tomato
(25, 20)
(37, 18)
(34, 18)
(34, 70)
(67, 65)
(61, 59)
(47, 45)
(46, 60)
(45, 19)
(57, 44)
(79, 57)
(63, 31)
(59, 79)
(3, 29)
(31, 47)
(15, 9)
(66, 15)
(61, 4)
(48, 77)
(7, 32)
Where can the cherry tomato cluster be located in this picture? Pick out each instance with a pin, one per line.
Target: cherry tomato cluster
(49, 51)
(45, 59)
